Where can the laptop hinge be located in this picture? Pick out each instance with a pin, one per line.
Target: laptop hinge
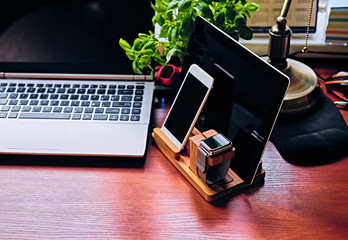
(74, 76)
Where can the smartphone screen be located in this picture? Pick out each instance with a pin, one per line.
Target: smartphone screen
(187, 106)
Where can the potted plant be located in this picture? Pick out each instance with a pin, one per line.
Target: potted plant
(176, 19)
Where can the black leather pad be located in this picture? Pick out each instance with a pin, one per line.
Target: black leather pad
(318, 138)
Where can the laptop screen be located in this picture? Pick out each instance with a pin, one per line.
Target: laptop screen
(70, 36)
(246, 110)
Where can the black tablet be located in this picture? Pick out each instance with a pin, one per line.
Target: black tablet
(246, 109)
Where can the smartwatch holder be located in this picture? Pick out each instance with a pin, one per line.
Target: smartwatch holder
(185, 162)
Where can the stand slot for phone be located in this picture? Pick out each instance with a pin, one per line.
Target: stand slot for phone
(186, 165)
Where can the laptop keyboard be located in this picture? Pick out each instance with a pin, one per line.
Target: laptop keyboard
(102, 102)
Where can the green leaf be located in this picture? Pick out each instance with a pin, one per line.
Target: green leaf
(136, 44)
(252, 7)
(246, 32)
(130, 55)
(173, 34)
(185, 5)
(147, 52)
(240, 21)
(170, 53)
(189, 26)
(231, 13)
(172, 5)
(144, 61)
(135, 67)
(143, 36)
(220, 19)
(207, 13)
(124, 45)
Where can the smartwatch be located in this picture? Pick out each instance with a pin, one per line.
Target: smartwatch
(211, 147)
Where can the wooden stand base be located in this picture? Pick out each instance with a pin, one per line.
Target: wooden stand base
(231, 184)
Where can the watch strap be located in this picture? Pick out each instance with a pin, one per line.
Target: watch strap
(201, 163)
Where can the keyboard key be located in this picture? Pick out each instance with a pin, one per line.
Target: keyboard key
(112, 110)
(12, 115)
(85, 103)
(57, 109)
(23, 102)
(75, 103)
(125, 92)
(31, 90)
(63, 116)
(3, 101)
(15, 109)
(41, 90)
(124, 117)
(135, 118)
(111, 91)
(88, 110)
(95, 104)
(100, 117)
(99, 110)
(54, 96)
(68, 110)
(94, 98)
(125, 111)
(126, 98)
(5, 108)
(84, 97)
(139, 92)
(34, 102)
(138, 98)
(101, 91)
(44, 102)
(3, 115)
(136, 111)
(113, 117)
(23, 96)
(87, 116)
(64, 96)
(76, 116)
(106, 104)
(64, 103)
(54, 103)
(81, 91)
(47, 109)
(51, 90)
(13, 96)
(36, 109)
(105, 98)
(121, 104)
(71, 90)
(26, 109)
(115, 98)
(78, 110)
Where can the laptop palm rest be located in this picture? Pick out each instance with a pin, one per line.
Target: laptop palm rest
(52, 138)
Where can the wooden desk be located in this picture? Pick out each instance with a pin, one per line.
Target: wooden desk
(156, 202)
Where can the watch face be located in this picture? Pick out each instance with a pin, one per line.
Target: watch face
(216, 143)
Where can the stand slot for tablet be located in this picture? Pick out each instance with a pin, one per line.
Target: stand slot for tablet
(186, 165)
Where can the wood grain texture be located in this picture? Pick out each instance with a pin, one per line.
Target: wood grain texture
(156, 202)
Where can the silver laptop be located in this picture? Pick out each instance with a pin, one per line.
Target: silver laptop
(66, 88)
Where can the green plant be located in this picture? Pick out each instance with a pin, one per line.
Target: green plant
(176, 19)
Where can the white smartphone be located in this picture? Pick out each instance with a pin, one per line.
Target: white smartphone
(187, 105)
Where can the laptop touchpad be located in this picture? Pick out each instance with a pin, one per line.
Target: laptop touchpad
(37, 136)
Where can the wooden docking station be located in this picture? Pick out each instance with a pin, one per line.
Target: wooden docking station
(185, 162)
